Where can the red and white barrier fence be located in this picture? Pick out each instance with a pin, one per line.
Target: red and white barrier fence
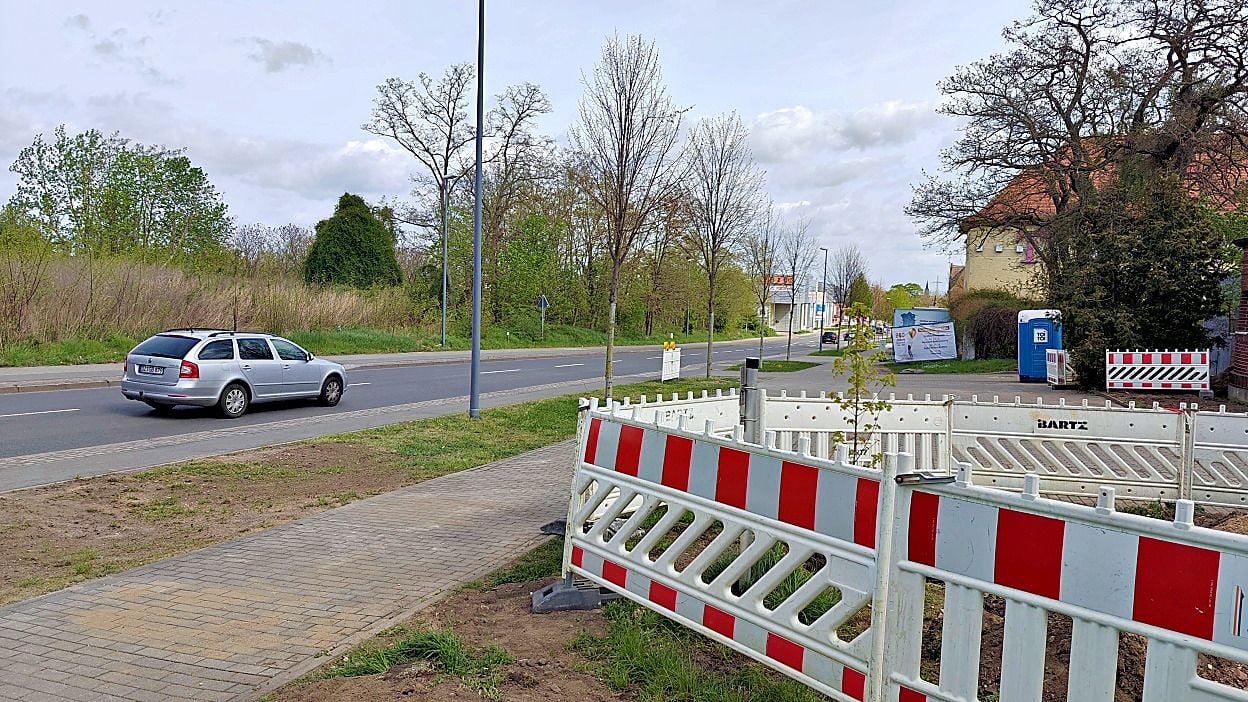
(1157, 370)
(704, 528)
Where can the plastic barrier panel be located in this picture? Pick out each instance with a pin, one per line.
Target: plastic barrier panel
(1099, 576)
(1157, 370)
(721, 524)
(786, 558)
(1219, 450)
(919, 427)
(1074, 449)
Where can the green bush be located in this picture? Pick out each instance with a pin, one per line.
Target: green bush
(353, 248)
(989, 318)
(1141, 267)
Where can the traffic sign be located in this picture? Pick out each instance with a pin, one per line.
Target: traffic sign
(542, 302)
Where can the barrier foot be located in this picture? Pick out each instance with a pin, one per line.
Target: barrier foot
(559, 527)
(569, 595)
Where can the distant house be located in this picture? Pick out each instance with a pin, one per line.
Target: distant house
(805, 309)
(999, 256)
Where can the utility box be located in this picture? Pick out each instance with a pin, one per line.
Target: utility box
(1038, 331)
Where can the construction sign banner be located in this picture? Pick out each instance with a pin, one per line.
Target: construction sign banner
(924, 342)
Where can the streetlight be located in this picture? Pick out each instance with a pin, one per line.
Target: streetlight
(823, 296)
(474, 385)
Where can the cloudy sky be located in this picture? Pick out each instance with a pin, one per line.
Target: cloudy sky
(268, 97)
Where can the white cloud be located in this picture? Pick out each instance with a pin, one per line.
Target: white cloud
(798, 133)
(277, 56)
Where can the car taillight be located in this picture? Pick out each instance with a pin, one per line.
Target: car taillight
(188, 370)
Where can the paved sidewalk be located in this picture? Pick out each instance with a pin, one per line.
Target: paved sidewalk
(230, 621)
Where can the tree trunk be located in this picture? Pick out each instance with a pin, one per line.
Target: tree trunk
(710, 321)
(607, 372)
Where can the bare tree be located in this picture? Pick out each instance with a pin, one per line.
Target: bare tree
(624, 142)
(797, 255)
(290, 244)
(1085, 85)
(759, 252)
(429, 119)
(519, 160)
(844, 267)
(724, 189)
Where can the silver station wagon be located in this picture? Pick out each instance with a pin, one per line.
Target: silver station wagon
(227, 369)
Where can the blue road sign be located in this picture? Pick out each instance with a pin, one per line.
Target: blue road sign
(542, 302)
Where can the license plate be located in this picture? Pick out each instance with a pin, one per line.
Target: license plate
(151, 370)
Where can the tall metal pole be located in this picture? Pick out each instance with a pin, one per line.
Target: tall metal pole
(474, 386)
(823, 300)
(446, 228)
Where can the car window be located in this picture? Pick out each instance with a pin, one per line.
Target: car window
(222, 350)
(166, 346)
(288, 351)
(254, 350)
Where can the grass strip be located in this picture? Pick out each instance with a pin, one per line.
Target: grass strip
(957, 365)
(545, 561)
(442, 445)
(112, 348)
(779, 366)
(654, 658)
(480, 670)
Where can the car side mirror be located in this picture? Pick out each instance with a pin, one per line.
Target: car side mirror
(307, 356)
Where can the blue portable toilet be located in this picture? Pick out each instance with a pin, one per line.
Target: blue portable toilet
(1038, 331)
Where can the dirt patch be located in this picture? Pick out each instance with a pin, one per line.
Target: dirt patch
(1172, 400)
(53, 536)
(544, 667)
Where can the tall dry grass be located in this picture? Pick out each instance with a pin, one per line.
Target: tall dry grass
(48, 300)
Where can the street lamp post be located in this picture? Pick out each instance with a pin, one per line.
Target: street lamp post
(474, 385)
(823, 296)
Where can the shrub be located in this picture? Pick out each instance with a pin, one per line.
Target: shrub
(989, 319)
(353, 248)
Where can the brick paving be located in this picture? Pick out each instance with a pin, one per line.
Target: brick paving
(232, 620)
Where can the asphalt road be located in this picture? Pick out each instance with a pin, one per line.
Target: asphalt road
(57, 435)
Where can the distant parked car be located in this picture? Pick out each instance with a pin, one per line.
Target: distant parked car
(227, 369)
(829, 337)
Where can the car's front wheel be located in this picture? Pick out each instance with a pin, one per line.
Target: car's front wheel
(331, 391)
(234, 401)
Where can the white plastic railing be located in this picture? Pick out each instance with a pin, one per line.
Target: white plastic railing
(1145, 453)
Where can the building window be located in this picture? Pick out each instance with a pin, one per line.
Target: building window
(1019, 248)
(1000, 248)
(979, 248)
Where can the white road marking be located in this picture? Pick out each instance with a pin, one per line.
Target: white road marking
(27, 414)
(570, 365)
(509, 370)
(351, 385)
(653, 358)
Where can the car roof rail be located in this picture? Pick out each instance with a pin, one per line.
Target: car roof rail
(188, 329)
(223, 333)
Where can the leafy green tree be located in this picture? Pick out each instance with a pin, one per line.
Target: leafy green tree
(902, 296)
(96, 195)
(860, 293)
(353, 247)
(1140, 267)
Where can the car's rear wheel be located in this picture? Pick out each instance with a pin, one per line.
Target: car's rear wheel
(331, 391)
(234, 401)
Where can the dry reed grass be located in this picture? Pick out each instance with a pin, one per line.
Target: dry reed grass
(54, 299)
